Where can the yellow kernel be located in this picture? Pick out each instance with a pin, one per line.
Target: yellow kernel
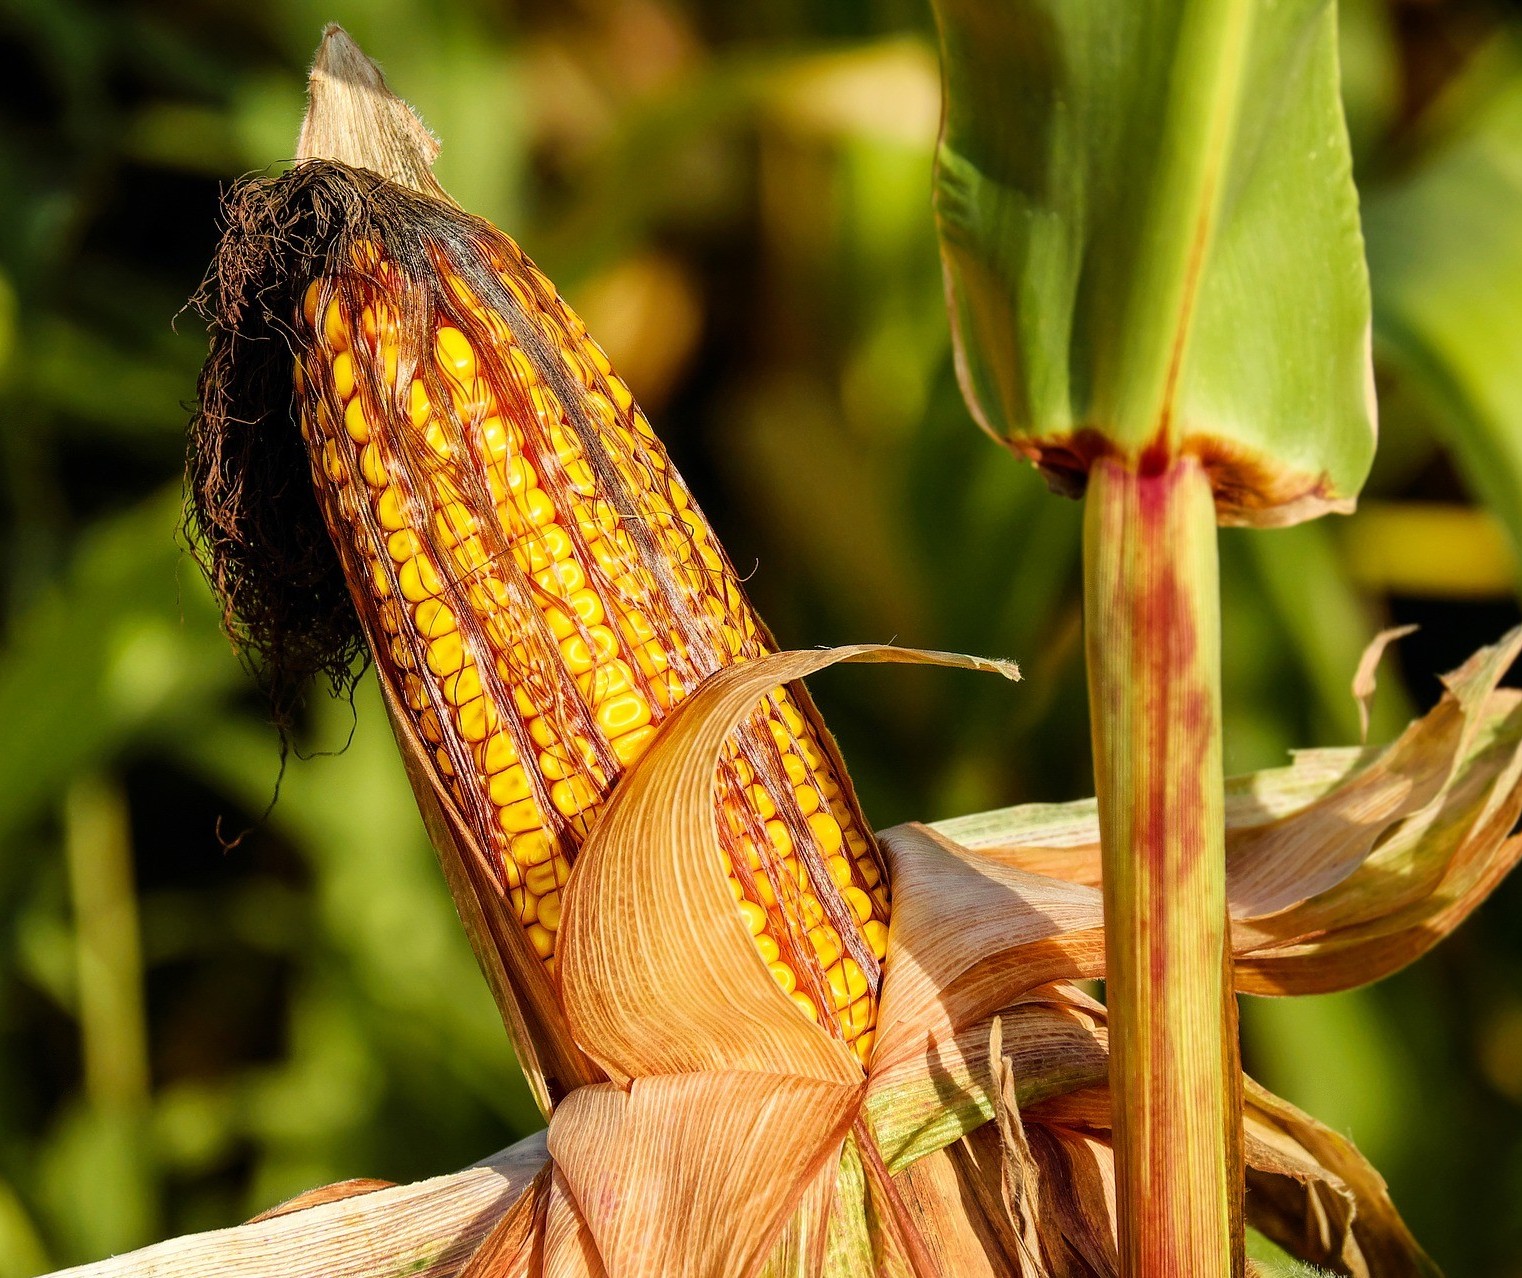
(840, 871)
(372, 466)
(549, 911)
(310, 302)
(473, 401)
(498, 753)
(858, 1016)
(497, 438)
(380, 579)
(546, 406)
(403, 544)
(477, 718)
(343, 374)
(533, 847)
(606, 681)
(580, 476)
(520, 366)
(455, 522)
(536, 506)
(805, 1005)
(333, 462)
(753, 916)
(433, 618)
(761, 802)
(517, 818)
(826, 946)
(335, 329)
(356, 422)
(540, 879)
(419, 406)
(455, 354)
(389, 509)
(826, 832)
(781, 840)
(783, 975)
(631, 745)
(446, 654)
(418, 579)
(511, 785)
(579, 657)
(860, 903)
(463, 686)
(542, 939)
(863, 1047)
(876, 935)
(807, 798)
(623, 398)
(623, 714)
(564, 578)
(572, 795)
(428, 725)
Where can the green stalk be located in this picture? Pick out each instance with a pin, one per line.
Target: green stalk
(1152, 625)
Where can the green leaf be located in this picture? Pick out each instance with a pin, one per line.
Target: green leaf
(1445, 249)
(1151, 242)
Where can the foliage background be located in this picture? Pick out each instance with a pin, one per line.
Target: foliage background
(736, 196)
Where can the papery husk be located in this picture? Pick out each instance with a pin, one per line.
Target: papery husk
(1346, 865)
(676, 985)
(426, 1230)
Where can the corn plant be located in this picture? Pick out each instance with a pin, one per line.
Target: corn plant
(765, 1039)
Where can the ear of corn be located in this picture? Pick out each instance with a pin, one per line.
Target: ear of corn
(540, 592)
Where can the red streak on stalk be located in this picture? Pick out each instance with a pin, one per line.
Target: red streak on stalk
(1151, 613)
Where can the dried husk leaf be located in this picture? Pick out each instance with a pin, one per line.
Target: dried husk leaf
(1309, 1188)
(1338, 874)
(508, 1251)
(426, 1230)
(658, 973)
(568, 1248)
(696, 1174)
(1364, 678)
(1014, 931)
(336, 1192)
(1054, 1040)
(531, 1011)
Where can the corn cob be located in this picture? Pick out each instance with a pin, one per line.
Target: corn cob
(541, 591)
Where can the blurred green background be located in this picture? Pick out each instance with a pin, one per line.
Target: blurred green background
(736, 196)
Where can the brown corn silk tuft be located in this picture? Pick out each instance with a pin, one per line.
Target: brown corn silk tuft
(536, 585)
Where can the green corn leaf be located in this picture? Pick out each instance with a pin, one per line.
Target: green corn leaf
(1151, 242)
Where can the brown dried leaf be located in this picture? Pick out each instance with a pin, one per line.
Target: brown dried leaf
(426, 1230)
(1368, 666)
(333, 1193)
(354, 118)
(696, 1174)
(675, 985)
(1014, 931)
